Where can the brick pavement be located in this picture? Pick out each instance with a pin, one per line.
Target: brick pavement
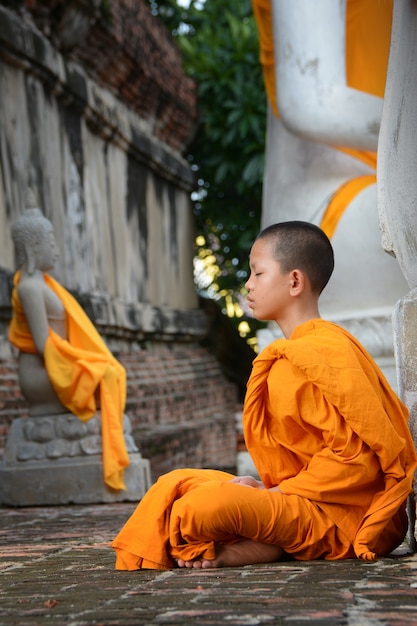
(56, 567)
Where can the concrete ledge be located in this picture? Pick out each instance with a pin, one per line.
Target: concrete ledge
(77, 481)
(128, 320)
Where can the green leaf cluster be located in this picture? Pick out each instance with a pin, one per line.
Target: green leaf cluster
(219, 41)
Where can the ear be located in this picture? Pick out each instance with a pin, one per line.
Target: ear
(297, 282)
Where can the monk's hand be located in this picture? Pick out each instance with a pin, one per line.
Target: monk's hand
(276, 489)
(248, 481)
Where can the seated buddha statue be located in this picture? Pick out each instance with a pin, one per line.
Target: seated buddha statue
(64, 364)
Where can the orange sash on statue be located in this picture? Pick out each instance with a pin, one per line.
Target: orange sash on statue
(76, 368)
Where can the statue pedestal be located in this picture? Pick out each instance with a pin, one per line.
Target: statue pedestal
(56, 460)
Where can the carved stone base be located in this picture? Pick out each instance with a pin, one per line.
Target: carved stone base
(56, 460)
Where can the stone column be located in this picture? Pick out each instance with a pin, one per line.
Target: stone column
(397, 196)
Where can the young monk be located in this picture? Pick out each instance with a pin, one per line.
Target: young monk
(327, 434)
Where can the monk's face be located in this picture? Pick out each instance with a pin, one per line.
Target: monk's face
(268, 287)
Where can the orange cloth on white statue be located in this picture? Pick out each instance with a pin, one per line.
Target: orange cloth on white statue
(76, 368)
(321, 422)
(366, 58)
(366, 50)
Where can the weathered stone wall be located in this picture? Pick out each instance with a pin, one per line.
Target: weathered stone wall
(123, 47)
(117, 196)
(95, 119)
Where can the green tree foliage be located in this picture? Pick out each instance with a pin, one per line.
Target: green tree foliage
(220, 47)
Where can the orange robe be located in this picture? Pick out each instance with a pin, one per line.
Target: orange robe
(76, 368)
(321, 422)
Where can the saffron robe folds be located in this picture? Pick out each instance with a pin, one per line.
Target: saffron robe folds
(77, 367)
(321, 422)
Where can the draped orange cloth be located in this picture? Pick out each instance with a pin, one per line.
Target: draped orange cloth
(339, 433)
(367, 51)
(321, 422)
(77, 367)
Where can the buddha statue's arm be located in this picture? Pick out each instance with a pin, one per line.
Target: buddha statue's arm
(314, 100)
(33, 303)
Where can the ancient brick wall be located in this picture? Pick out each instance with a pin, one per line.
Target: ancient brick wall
(103, 113)
(129, 51)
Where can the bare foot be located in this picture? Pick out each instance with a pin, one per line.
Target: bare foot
(245, 552)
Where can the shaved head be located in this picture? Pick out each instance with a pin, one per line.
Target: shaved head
(303, 246)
